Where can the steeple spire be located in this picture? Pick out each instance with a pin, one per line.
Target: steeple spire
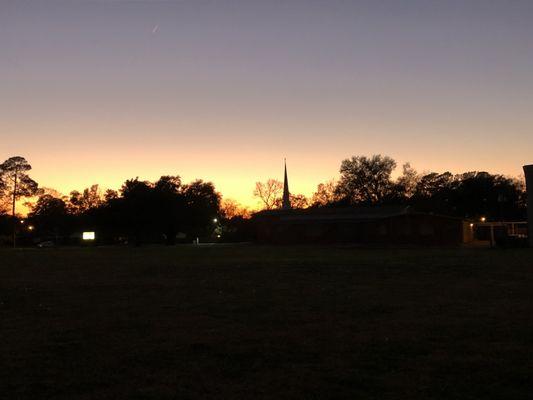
(286, 205)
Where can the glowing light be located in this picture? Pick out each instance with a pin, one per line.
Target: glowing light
(471, 225)
(88, 236)
(483, 219)
(215, 220)
(31, 228)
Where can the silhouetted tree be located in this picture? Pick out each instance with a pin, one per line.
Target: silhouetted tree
(482, 194)
(231, 209)
(433, 193)
(325, 194)
(168, 203)
(470, 195)
(3, 198)
(110, 195)
(269, 193)
(365, 180)
(298, 201)
(203, 207)
(434, 183)
(137, 209)
(17, 184)
(145, 211)
(168, 184)
(52, 192)
(82, 202)
(50, 216)
(407, 182)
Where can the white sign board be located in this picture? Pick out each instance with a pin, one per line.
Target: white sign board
(88, 236)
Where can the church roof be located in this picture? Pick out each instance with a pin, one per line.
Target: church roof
(342, 213)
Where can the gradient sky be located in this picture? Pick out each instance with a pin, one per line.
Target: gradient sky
(102, 91)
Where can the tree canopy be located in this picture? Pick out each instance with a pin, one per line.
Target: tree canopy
(16, 184)
(366, 180)
(269, 193)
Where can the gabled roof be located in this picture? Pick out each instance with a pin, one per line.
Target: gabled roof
(360, 213)
(342, 213)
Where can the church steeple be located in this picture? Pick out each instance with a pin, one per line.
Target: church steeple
(286, 205)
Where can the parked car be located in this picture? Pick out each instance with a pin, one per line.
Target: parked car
(47, 243)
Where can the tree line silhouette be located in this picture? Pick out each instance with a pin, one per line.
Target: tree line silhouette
(368, 181)
(169, 210)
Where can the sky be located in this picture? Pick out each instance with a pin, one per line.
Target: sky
(101, 91)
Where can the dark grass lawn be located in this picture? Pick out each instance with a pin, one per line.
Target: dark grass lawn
(249, 322)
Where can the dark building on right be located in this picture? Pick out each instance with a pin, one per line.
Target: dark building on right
(528, 172)
(365, 225)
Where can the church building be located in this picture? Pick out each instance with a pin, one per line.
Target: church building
(358, 225)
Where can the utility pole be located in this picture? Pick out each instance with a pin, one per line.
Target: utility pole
(528, 172)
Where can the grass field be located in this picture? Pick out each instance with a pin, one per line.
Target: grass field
(252, 322)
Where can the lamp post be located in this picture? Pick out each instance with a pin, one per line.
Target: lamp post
(528, 172)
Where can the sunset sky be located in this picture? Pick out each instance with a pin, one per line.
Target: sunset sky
(101, 91)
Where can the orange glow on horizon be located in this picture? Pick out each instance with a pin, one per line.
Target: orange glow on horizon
(231, 181)
(219, 151)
